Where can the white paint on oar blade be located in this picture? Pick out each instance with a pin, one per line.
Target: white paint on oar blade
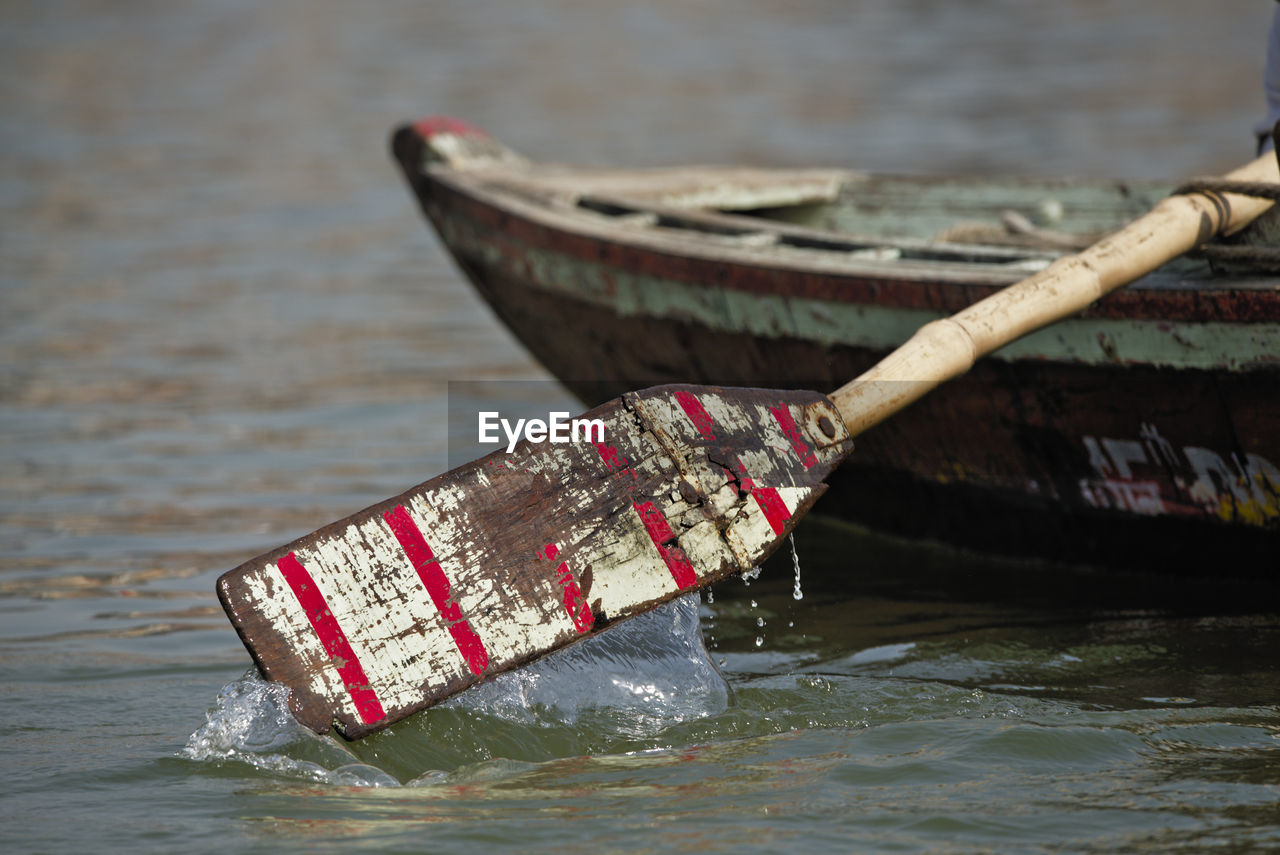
(508, 558)
(783, 452)
(364, 575)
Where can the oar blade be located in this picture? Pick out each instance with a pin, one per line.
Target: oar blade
(512, 556)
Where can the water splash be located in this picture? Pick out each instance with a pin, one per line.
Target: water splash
(647, 673)
(250, 723)
(631, 682)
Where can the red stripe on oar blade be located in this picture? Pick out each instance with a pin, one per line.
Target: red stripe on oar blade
(773, 508)
(697, 414)
(660, 533)
(613, 459)
(332, 638)
(574, 603)
(438, 586)
(770, 502)
(792, 431)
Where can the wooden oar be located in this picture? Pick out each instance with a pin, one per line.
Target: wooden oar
(947, 348)
(503, 560)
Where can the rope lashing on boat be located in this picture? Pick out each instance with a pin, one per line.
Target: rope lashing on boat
(1268, 257)
(1256, 189)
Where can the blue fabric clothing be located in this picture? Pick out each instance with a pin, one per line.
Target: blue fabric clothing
(1271, 85)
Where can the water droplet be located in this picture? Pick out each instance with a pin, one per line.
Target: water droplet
(754, 604)
(796, 593)
(759, 641)
(759, 621)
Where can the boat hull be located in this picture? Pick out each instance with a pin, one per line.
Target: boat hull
(1142, 434)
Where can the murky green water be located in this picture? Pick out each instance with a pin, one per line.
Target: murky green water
(223, 325)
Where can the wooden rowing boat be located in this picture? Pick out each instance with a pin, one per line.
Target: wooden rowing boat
(1143, 432)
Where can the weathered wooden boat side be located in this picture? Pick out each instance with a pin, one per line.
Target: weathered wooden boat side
(1145, 431)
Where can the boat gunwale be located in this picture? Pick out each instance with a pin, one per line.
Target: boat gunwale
(570, 218)
(950, 287)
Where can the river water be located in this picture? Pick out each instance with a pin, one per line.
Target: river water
(222, 325)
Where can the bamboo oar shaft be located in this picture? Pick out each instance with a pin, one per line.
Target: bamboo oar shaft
(947, 348)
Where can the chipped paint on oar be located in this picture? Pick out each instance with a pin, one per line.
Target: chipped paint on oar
(510, 557)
